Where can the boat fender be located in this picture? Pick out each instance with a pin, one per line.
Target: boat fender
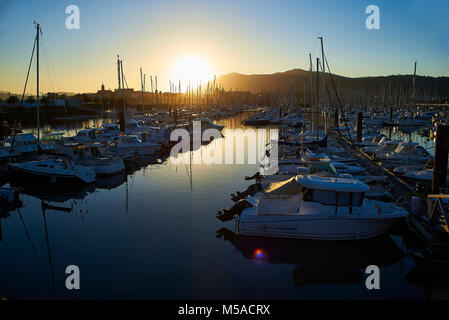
(379, 210)
(53, 179)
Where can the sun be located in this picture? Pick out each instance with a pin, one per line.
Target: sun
(191, 68)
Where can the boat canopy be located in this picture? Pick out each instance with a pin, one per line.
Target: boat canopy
(331, 183)
(289, 186)
(24, 137)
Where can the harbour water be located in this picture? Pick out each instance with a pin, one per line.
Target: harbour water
(152, 234)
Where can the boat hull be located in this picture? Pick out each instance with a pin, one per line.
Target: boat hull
(256, 122)
(32, 177)
(330, 228)
(144, 151)
(106, 167)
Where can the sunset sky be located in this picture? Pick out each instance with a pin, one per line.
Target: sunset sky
(216, 37)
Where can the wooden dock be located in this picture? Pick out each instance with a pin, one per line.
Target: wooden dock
(436, 243)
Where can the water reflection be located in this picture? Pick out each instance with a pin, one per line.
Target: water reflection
(433, 277)
(318, 262)
(148, 234)
(53, 193)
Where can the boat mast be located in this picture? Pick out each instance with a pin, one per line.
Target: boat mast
(142, 89)
(311, 86)
(118, 78)
(38, 29)
(317, 95)
(123, 89)
(324, 71)
(414, 108)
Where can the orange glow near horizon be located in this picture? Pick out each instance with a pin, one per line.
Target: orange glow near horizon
(193, 69)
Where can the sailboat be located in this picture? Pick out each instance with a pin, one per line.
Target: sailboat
(57, 171)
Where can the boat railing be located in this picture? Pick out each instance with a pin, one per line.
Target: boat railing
(436, 208)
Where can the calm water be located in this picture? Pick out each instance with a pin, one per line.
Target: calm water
(154, 236)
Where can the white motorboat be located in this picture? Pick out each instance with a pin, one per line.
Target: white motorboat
(90, 135)
(93, 155)
(110, 130)
(263, 118)
(384, 146)
(406, 151)
(52, 171)
(422, 175)
(206, 123)
(292, 119)
(130, 144)
(312, 207)
(23, 144)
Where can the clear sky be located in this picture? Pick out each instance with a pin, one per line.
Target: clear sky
(227, 36)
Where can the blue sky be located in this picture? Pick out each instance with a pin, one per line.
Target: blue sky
(232, 36)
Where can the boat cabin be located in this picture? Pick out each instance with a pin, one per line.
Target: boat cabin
(332, 191)
(111, 129)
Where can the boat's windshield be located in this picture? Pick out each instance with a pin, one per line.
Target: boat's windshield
(333, 198)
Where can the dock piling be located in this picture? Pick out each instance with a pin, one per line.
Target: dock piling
(441, 154)
(359, 126)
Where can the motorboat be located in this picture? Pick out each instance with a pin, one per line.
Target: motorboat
(260, 119)
(292, 120)
(384, 146)
(425, 175)
(206, 123)
(94, 155)
(26, 143)
(57, 171)
(110, 130)
(406, 151)
(130, 144)
(314, 207)
(90, 135)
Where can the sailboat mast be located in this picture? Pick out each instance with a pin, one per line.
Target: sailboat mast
(323, 67)
(414, 93)
(37, 83)
(123, 89)
(118, 78)
(142, 89)
(324, 106)
(317, 93)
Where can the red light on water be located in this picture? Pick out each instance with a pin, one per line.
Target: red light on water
(258, 253)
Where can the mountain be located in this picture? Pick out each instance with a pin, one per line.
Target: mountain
(258, 83)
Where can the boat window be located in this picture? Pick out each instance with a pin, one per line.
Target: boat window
(325, 197)
(344, 198)
(357, 198)
(332, 198)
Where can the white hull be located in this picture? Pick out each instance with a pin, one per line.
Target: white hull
(141, 150)
(106, 167)
(329, 228)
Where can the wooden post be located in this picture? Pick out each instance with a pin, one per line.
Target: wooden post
(441, 153)
(359, 126)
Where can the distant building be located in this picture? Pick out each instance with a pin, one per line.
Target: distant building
(73, 102)
(57, 102)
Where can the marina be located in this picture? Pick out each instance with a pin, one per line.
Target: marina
(131, 217)
(283, 186)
